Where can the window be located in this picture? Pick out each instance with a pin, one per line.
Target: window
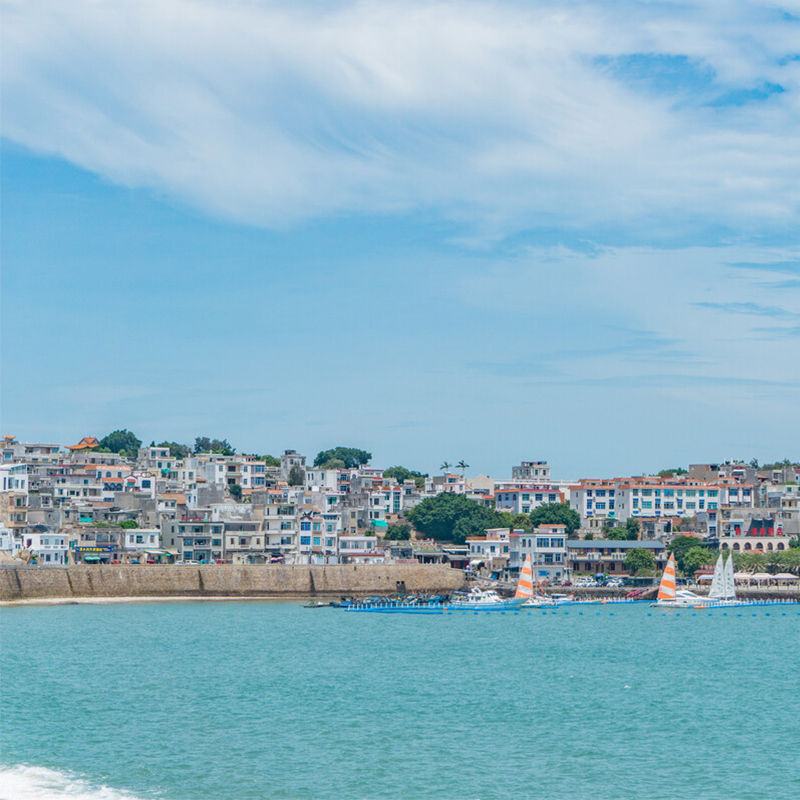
(305, 540)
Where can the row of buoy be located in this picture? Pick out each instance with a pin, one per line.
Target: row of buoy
(610, 613)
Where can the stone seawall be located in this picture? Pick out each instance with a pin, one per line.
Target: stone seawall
(223, 580)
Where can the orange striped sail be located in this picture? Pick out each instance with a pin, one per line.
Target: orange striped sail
(666, 591)
(525, 585)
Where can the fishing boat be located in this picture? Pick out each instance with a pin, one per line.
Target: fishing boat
(317, 604)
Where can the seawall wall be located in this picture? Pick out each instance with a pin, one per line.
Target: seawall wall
(223, 580)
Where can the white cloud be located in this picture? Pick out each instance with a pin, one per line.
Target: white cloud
(683, 320)
(268, 112)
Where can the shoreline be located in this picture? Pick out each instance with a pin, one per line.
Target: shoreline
(94, 601)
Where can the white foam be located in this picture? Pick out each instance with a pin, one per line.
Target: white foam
(39, 783)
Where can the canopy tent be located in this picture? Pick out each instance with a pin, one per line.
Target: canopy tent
(762, 576)
(785, 576)
(743, 576)
(705, 578)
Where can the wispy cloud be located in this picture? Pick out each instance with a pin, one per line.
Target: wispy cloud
(593, 117)
(747, 308)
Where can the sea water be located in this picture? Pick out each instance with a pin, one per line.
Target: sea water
(271, 701)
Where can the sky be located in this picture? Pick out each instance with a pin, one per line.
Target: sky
(490, 231)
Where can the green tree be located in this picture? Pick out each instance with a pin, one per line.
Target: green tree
(516, 521)
(556, 514)
(401, 474)
(297, 476)
(794, 544)
(446, 465)
(696, 558)
(270, 461)
(674, 471)
(129, 524)
(202, 444)
(398, 533)
(638, 559)
(680, 545)
(463, 466)
(236, 491)
(351, 456)
(632, 526)
(452, 517)
(333, 463)
(179, 451)
(122, 442)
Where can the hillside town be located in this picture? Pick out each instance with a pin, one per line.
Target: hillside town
(90, 503)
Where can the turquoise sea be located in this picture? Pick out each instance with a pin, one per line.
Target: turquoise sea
(270, 701)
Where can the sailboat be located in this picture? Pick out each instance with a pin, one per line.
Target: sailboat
(534, 596)
(722, 592)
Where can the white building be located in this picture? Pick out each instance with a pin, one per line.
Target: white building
(523, 500)
(547, 547)
(536, 471)
(50, 548)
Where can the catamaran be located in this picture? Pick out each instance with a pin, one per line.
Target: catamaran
(722, 592)
(536, 598)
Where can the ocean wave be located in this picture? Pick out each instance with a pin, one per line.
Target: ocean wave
(23, 782)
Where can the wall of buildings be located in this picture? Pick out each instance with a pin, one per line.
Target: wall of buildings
(274, 580)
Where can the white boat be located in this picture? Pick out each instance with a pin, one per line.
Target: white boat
(722, 592)
(537, 598)
(484, 600)
(489, 600)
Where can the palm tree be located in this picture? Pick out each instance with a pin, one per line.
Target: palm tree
(463, 466)
(446, 465)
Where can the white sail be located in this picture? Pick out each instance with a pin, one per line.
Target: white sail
(717, 590)
(729, 583)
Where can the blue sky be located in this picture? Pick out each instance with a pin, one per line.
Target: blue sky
(433, 230)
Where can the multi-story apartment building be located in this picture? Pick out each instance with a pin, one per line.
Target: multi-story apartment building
(524, 499)
(533, 471)
(547, 547)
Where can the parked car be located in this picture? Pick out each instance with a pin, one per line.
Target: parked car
(277, 560)
(187, 563)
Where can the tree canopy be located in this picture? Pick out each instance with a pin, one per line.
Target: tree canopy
(270, 461)
(672, 471)
(638, 559)
(179, 451)
(352, 457)
(630, 532)
(556, 514)
(129, 523)
(297, 476)
(333, 463)
(680, 546)
(398, 533)
(696, 558)
(236, 491)
(401, 475)
(202, 444)
(122, 442)
(452, 517)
